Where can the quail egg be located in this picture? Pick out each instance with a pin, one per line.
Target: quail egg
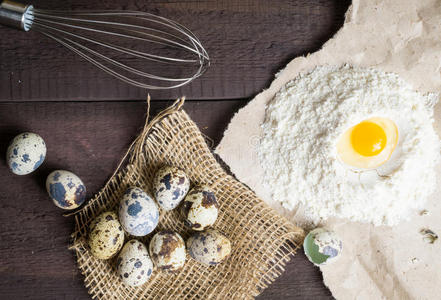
(66, 189)
(167, 249)
(106, 236)
(209, 247)
(134, 265)
(26, 153)
(322, 246)
(138, 212)
(170, 186)
(200, 208)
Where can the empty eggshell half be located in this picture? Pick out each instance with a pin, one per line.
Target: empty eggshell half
(322, 246)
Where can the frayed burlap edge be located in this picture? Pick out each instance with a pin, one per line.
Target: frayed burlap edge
(262, 241)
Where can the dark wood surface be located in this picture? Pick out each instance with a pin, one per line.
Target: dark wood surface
(248, 42)
(41, 86)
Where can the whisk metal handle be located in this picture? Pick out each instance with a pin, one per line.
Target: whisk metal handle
(17, 15)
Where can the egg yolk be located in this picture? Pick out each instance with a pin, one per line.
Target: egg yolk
(368, 138)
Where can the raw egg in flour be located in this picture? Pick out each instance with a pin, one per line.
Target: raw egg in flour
(368, 144)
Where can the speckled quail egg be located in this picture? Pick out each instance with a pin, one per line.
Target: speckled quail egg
(200, 208)
(209, 247)
(26, 153)
(134, 265)
(106, 236)
(322, 246)
(167, 249)
(138, 212)
(66, 189)
(170, 186)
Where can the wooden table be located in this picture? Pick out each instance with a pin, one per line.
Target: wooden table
(88, 120)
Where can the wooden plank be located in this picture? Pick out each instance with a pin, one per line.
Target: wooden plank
(88, 139)
(248, 41)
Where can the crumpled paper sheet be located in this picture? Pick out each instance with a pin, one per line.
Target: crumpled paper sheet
(401, 36)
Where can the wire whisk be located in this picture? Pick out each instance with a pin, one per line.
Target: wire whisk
(139, 48)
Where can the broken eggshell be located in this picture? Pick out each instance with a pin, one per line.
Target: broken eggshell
(322, 246)
(428, 235)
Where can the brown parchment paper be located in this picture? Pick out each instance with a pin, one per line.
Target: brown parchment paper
(401, 36)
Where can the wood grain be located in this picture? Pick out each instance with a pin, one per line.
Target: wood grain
(46, 89)
(88, 139)
(248, 42)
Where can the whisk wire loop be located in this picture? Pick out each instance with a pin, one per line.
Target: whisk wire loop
(168, 41)
(122, 49)
(139, 48)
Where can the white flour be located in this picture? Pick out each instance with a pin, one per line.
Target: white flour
(298, 147)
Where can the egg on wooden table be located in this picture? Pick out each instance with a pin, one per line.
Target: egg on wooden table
(209, 247)
(106, 236)
(170, 185)
(322, 246)
(368, 144)
(167, 249)
(26, 153)
(66, 189)
(200, 208)
(134, 265)
(138, 213)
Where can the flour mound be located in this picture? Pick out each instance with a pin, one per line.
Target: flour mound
(298, 147)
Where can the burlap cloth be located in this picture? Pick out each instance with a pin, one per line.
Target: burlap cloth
(262, 241)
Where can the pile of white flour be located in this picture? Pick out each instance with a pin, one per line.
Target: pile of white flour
(298, 147)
